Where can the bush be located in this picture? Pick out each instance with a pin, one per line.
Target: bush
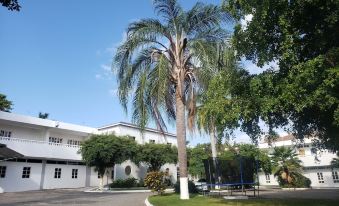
(156, 182)
(126, 183)
(298, 181)
(191, 187)
(301, 181)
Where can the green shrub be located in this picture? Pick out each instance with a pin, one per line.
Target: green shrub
(191, 187)
(301, 181)
(126, 183)
(156, 182)
(298, 181)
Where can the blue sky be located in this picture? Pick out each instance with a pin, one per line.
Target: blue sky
(55, 57)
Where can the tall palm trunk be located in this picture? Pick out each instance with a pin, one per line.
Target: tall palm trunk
(214, 153)
(181, 139)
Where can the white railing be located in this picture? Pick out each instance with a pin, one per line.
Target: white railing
(44, 149)
(37, 142)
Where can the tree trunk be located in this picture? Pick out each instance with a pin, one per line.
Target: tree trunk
(214, 155)
(181, 139)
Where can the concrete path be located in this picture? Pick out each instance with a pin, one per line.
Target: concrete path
(327, 194)
(72, 197)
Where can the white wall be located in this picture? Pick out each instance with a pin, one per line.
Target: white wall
(95, 181)
(66, 180)
(24, 132)
(14, 182)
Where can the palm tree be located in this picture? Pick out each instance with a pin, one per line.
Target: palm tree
(163, 63)
(286, 164)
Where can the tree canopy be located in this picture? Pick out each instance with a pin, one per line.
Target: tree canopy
(104, 151)
(5, 104)
(301, 95)
(164, 62)
(156, 155)
(12, 5)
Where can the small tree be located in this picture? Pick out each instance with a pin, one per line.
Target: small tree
(286, 165)
(156, 155)
(5, 105)
(104, 151)
(43, 115)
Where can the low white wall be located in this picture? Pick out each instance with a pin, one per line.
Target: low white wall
(65, 180)
(13, 182)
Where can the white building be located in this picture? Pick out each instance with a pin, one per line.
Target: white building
(50, 157)
(316, 164)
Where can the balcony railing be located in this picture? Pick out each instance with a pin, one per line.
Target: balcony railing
(42, 149)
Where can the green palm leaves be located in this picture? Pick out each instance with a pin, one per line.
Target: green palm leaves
(172, 54)
(286, 164)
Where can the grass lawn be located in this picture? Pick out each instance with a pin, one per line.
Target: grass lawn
(196, 200)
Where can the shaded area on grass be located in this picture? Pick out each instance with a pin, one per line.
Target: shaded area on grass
(197, 200)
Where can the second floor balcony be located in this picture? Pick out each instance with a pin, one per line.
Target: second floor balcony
(42, 149)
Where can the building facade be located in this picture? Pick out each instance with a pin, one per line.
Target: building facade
(316, 163)
(50, 153)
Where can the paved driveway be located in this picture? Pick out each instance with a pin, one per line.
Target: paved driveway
(72, 197)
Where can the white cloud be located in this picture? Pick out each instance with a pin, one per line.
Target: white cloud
(98, 76)
(105, 73)
(105, 67)
(113, 92)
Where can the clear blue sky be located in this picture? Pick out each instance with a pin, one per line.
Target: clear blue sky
(55, 57)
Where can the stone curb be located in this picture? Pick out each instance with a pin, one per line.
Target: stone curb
(147, 203)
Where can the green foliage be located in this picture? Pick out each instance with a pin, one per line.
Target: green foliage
(43, 115)
(195, 159)
(287, 166)
(12, 5)
(156, 155)
(148, 60)
(126, 183)
(252, 151)
(335, 162)
(156, 182)
(299, 181)
(301, 37)
(104, 151)
(192, 189)
(5, 105)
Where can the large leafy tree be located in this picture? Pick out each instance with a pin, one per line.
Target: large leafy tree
(163, 62)
(196, 155)
(5, 104)
(156, 155)
(12, 5)
(286, 165)
(104, 151)
(301, 37)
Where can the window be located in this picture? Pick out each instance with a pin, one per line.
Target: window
(267, 177)
(132, 138)
(128, 170)
(57, 173)
(320, 177)
(335, 176)
(170, 144)
(55, 140)
(26, 172)
(73, 142)
(3, 171)
(152, 141)
(5, 133)
(74, 173)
